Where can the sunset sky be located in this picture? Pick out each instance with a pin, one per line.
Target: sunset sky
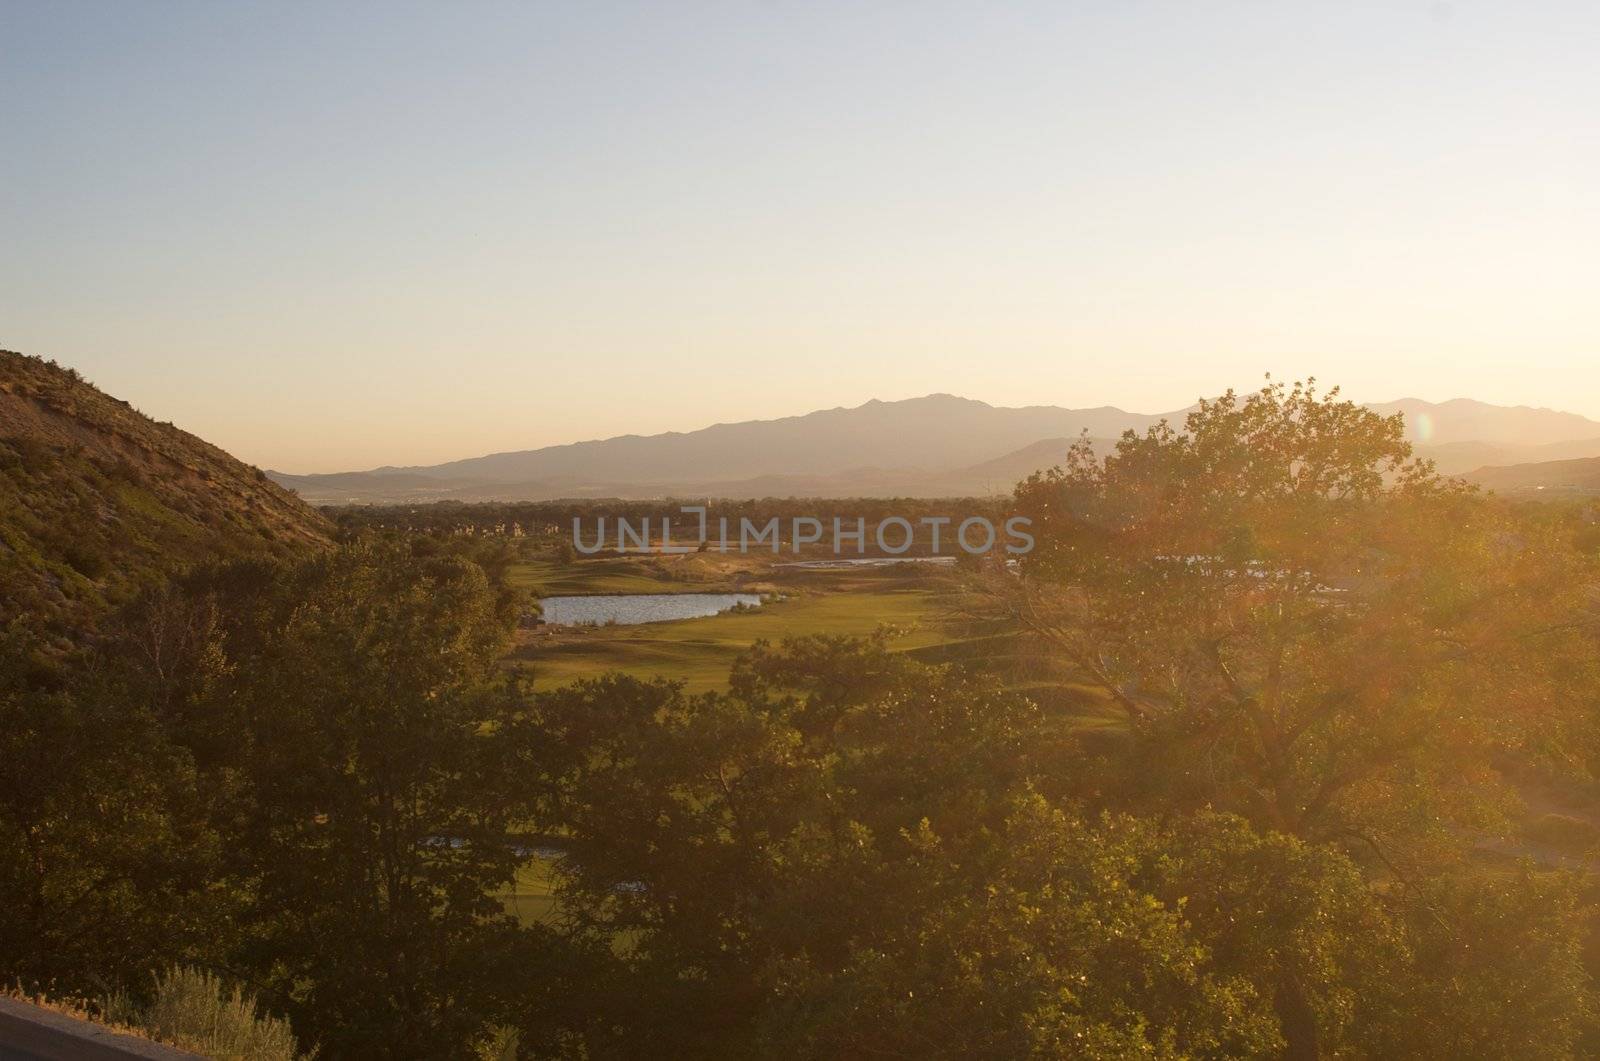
(333, 236)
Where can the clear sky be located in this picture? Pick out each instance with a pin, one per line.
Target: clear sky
(332, 236)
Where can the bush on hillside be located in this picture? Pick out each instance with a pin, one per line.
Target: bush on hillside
(197, 1011)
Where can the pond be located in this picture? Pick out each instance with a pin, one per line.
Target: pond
(629, 608)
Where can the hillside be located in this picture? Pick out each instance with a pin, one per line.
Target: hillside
(97, 499)
(1569, 476)
(1456, 458)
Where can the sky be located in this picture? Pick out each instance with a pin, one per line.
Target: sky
(336, 236)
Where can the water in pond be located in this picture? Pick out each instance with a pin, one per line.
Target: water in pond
(629, 608)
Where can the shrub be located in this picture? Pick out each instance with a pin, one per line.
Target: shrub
(197, 1011)
(501, 1044)
(87, 558)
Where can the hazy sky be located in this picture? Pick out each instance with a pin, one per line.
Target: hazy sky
(335, 235)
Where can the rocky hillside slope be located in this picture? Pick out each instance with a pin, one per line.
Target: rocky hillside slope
(97, 499)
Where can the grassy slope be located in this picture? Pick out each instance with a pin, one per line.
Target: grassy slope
(97, 499)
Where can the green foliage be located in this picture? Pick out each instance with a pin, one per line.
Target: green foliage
(1498, 968)
(843, 858)
(1305, 626)
(310, 787)
(500, 1045)
(105, 864)
(378, 829)
(564, 552)
(1037, 939)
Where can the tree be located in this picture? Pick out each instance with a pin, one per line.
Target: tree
(105, 864)
(343, 710)
(1039, 938)
(842, 857)
(1302, 623)
(380, 825)
(1306, 626)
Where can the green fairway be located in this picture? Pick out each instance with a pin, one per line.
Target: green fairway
(699, 652)
(622, 574)
(532, 897)
(797, 602)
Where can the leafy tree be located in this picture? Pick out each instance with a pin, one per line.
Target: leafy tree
(1303, 624)
(342, 710)
(1497, 969)
(850, 855)
(1038, 938)
(309, 776)
(104, 865)
(379, 827)
(842, 857)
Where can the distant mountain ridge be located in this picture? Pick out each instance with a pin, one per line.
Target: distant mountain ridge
(1578, 476)
(919, 446)
(937, 445)
(929, 433)
(1466, 420)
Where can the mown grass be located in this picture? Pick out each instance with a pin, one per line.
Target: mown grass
(699, 652)
(678, 574)
(531, 898)
(916, 600)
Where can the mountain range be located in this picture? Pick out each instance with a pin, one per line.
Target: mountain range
(938, 445)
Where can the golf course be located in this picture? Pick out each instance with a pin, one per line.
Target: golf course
(795, 601)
